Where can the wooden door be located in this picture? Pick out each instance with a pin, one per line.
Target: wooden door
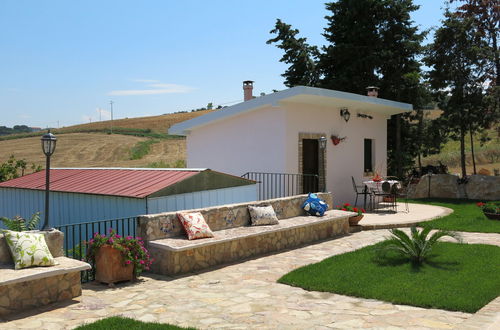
(310, 165)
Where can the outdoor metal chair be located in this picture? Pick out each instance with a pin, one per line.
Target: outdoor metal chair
(362, 190)
(403, 192)
(385, 193)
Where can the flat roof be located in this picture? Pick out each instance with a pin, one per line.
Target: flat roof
(298, 94)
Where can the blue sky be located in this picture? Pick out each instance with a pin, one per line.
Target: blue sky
(62, 60)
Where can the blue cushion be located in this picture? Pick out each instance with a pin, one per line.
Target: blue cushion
(315, 206)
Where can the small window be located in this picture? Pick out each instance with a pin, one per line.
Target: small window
(368, 163)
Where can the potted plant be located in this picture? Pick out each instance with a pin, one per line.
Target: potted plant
(116, 258)
(355, 218)
(490, 209)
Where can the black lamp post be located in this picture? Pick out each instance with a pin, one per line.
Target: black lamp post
(48, 147)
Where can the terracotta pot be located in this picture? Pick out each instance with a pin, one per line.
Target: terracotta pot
(110, 267)
(355, 219)
(492, 216)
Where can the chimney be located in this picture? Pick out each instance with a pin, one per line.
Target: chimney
(247, 90)
(372, 91)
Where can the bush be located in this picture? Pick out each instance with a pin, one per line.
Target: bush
(19, 224)
(415, 247)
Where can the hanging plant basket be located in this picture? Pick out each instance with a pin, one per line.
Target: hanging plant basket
(336, 139)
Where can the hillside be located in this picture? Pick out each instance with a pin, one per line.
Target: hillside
(105, 150)
(487, 154)
(158, 124)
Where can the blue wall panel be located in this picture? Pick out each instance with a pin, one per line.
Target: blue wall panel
(201, 199)
(68, 208)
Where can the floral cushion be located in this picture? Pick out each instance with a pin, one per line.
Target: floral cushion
(262, 215)
(314, 205)
(194, 224)
(28, 249)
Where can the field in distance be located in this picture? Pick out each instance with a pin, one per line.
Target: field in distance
(105, 150)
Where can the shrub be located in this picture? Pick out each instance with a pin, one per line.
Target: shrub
(132, 249)
(415, 247)
(490, 207)
(18, 223)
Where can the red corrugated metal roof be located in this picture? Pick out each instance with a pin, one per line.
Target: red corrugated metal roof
(137, 183)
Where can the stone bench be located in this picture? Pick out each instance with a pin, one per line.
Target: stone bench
(37, 286)
(234, 238)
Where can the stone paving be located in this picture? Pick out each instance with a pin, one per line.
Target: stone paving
(246, 296)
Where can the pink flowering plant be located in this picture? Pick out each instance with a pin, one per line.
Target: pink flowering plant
(132, 249)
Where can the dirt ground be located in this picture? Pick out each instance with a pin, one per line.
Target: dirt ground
(93, 150)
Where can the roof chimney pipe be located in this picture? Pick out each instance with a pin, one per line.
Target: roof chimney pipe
(372, 91)
(247, 90)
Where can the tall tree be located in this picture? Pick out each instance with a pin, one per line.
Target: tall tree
(298, 53)
(485, 15)
(350, 60)
(458, 76)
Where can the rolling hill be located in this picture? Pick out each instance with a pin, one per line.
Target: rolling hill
(78, 148)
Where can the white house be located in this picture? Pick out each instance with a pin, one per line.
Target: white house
(281, 133)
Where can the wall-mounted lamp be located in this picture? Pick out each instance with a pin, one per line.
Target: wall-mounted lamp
(362, 115)
(344, 113)
(322, 142)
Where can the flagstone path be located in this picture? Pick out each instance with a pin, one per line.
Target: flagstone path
(246, 296)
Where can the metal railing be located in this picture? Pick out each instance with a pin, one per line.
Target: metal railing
(276, 185)
(77, 234)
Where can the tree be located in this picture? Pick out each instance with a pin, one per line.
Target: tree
(350, 60)
(458, 77)
(485, 15)
(298, 53)
(370, 42)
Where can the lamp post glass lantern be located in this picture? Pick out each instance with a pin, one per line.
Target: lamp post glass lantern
(322, 143)
(345, 114)
(48, 147)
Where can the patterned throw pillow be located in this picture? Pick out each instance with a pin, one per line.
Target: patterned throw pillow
(315, 206)
(28, 249)
(262, 215)
(194, 224)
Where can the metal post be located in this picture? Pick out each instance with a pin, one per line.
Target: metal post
(47, 189)
(111, 103)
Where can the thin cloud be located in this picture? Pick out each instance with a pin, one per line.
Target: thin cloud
(146, 80)
(154, 89)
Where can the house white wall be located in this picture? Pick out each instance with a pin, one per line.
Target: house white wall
(266, 140)
(345, 159)
(248, 142)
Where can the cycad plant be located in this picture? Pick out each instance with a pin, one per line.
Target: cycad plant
(416, 246)
(18, 223)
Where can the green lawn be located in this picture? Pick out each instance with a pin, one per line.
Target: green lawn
(457, 277)
(120, 323)
(466, 216)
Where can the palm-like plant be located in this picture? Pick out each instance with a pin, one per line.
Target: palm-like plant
(20, 224)
(415, 246)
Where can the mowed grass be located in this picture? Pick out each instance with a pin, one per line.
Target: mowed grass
(466, 216)
(456, 277)
(120, 323)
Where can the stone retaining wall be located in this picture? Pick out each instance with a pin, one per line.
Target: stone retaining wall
(164, 225)
(30, 294)
(481, 187)
(177, 262)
